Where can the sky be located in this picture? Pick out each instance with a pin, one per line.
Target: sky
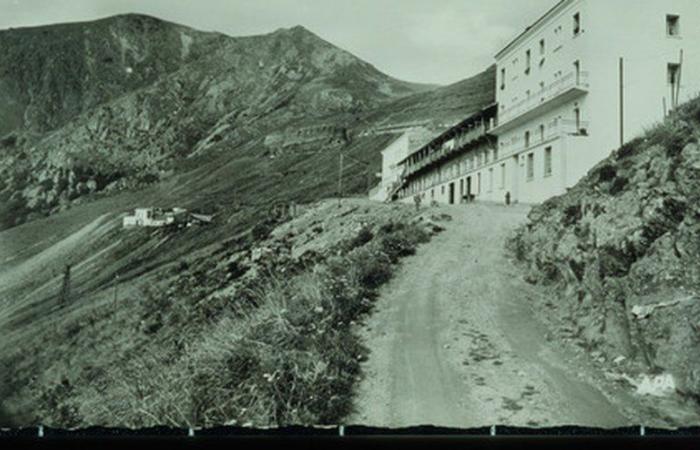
(428, 41)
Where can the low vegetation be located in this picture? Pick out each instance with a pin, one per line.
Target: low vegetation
(278, 349)
(622, 250)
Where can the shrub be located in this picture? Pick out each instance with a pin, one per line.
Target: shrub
(262, 230)
(402, 242)
(370, 267)
(572, 215)
(673, 134)
(364, 236)
(517, 246)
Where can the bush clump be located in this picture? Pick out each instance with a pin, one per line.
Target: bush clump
(280, 352)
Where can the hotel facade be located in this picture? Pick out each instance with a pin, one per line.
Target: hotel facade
(585, 77)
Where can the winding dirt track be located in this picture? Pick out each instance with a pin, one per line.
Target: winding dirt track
(454, 343)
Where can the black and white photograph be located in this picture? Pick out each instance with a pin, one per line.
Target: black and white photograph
(350, 215)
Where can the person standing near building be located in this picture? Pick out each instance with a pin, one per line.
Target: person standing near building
(417, 200)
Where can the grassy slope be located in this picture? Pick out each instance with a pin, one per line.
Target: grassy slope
(127, 365)
(238, 182)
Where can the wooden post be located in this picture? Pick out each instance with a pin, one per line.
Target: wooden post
(116, 283)
(678, 81)
(340, 178)
(622, 102)
(66, 287)
(665, 110)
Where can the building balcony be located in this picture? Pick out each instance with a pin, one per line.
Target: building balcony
(562, 91)
(448, 149)
(553, 130)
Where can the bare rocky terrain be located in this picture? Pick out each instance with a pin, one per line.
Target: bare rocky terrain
(620, 250)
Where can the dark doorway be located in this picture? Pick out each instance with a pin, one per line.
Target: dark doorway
(452, 193)
(469, 188)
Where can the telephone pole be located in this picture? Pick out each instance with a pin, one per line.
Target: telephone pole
(65, 288)
(116, 286)
(622, 101)
(340, 178)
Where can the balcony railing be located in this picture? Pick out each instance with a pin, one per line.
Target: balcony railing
(553, 129)
(570, 81)
(446, 150)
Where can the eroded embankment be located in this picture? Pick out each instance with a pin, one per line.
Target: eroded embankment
(622, 248)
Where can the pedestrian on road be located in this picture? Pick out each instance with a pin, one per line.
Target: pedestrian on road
(417, 200)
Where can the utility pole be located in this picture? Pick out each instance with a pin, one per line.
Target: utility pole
(622, 102)
(116, 285)
(678, 82)
(340, 178)
(65, 288)
(665, 109)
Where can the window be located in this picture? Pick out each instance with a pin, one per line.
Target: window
(527, 139)
(443, 190)
(577, 71)
(432, 193)
(495, 154)
(577, 24)
(530, 166)
(541, 132)
(674, 71)
(673, 25)
(577, 118)
(503, 176)
(542, 47)
(528, 61)
(548, 161)
(503, 78)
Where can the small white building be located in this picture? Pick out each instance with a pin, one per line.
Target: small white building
(154, 217)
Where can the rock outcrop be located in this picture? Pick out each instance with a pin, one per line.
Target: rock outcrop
(623, 249)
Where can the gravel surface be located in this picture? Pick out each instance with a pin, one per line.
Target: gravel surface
(454, 342)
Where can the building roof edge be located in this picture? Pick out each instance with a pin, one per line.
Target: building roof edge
(530, 28)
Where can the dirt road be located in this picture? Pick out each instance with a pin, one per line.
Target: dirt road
(454, 343)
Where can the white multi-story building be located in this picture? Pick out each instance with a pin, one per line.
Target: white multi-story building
(584, 77)
(457, 166)
(393, 156)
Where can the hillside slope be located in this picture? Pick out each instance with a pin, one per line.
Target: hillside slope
(101, 110)
(623, 250)
(254, 330)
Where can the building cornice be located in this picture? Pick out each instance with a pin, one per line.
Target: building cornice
(535, 26)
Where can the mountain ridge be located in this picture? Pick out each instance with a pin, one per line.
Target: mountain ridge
(122, 102)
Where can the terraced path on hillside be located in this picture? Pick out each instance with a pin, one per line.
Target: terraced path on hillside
(454, 342)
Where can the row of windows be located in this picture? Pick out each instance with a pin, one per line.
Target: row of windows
(476, 188)
(542, 51)
(530, 164)
(673, 29)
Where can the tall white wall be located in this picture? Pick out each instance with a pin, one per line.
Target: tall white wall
(609, 29)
